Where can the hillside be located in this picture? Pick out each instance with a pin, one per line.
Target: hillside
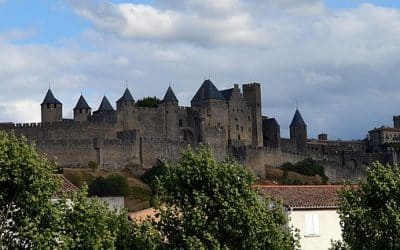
(139, 193)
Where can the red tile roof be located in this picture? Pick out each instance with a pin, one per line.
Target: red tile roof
(142, 215)
(66, 185)
(298, 197)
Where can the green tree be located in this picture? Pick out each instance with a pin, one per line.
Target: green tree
(148, 102)
(307, 167)
(28, 219)
(35, 215)
(370, 213)
(210, 205)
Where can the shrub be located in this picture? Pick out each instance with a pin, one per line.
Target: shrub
(93, 165)
(307, 167)
(151, 174)
(113, 185)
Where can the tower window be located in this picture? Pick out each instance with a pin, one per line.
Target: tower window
(80, 111)
(48, 106)
(180, 123)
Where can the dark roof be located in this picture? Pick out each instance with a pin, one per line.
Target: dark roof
(227, 93)
(126, 97)
(66, 185)
(170, 96)
(50, 99)
(207, 91)
(297, 119)
(270, 122)
(300, 197)
(82, 104)
(105, 105)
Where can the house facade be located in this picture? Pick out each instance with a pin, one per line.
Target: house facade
(310, 209)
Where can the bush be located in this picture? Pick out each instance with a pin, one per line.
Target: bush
(151, 174)
(93, 165)
(307, 167)
(113, 185)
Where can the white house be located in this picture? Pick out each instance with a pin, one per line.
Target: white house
(312, 209)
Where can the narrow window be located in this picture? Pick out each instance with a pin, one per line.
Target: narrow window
(180, 123)
(312, 225)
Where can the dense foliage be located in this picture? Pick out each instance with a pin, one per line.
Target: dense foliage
(370, 212)
(112, 185)
(34, 214)
(210, 205)
(148, 102)
(306, 167)
(151, 175)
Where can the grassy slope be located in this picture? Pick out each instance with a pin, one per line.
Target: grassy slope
(139, 193)
(274, 176)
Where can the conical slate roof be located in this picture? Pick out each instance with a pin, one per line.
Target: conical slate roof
(126, 97)
(50, 99)
(105, 105)
(82, 104)
(297, 119)
(207, 91)
(170, 96)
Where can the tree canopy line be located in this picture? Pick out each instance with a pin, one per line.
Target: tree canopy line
(202, 204)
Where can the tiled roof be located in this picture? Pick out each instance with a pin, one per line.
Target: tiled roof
(126, 97)
(144, 214)
(301, 197)
(227, 93)
(105, 105)
(270, 122)
(297, 119)
(82, 104)
(170, 96)
(207, 91)
(50, 99)
(66, 185)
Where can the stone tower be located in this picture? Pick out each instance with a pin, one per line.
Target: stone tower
(271, 132)
(252, 95)
(170, 104)
(51, 108)
(298, 132)
(396, 121)
(82, 110)
(105, 114)
(212, 119)
(127, 111)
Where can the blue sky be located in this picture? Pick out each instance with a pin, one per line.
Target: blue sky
(337, 58)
